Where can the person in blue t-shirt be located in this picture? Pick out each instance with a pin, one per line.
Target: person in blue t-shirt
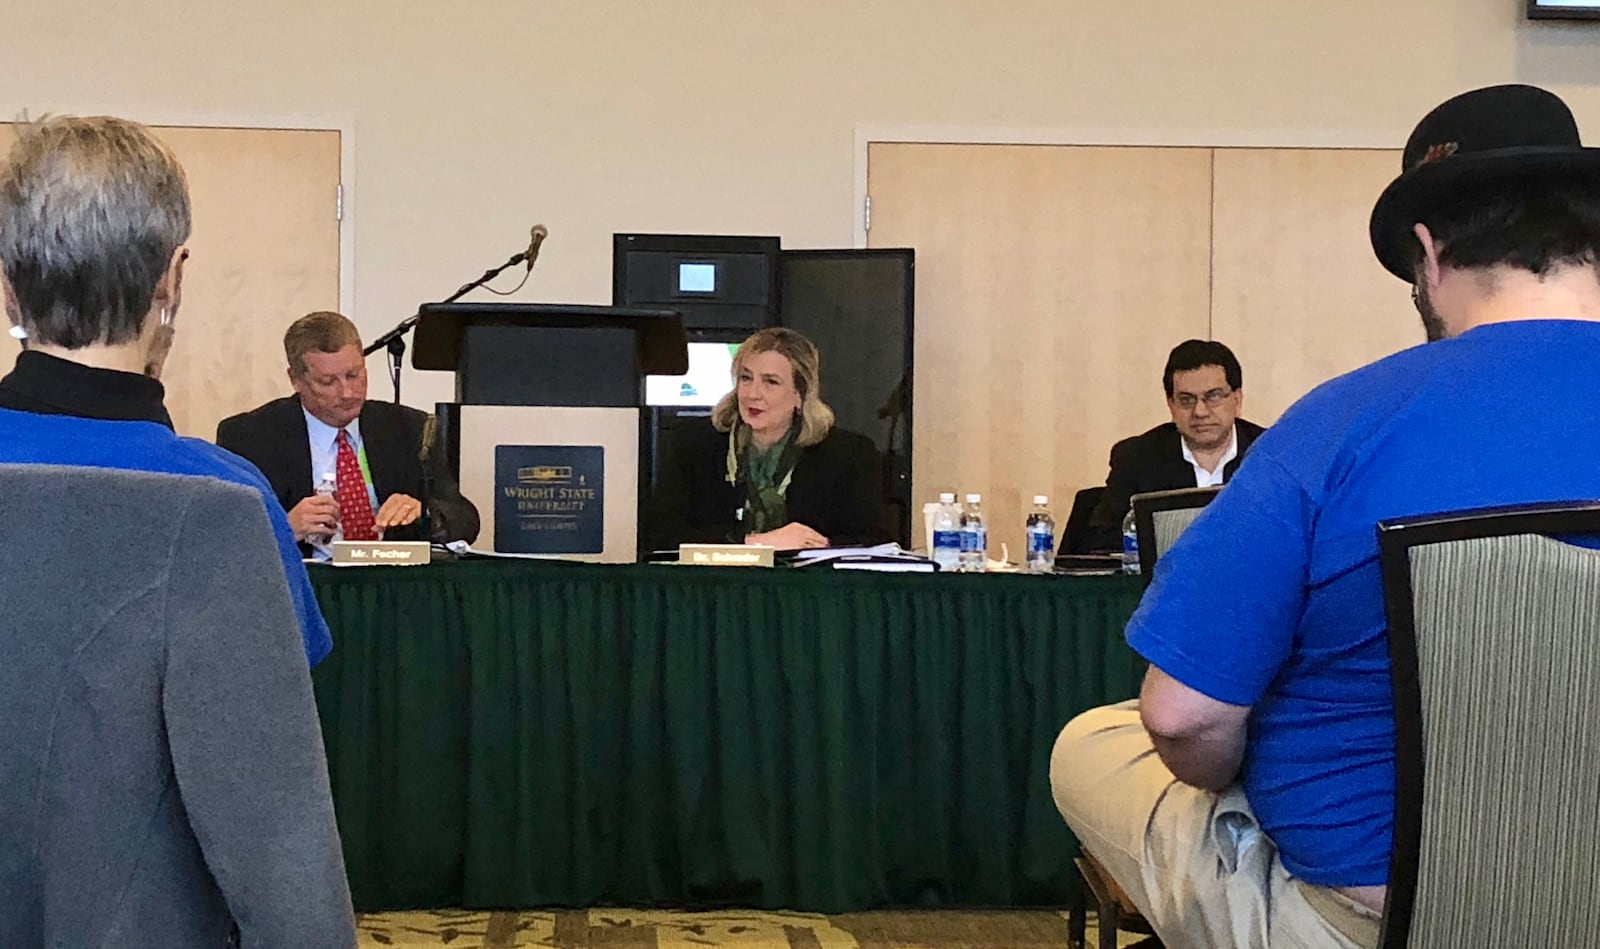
(1265, 815)
(94, 214)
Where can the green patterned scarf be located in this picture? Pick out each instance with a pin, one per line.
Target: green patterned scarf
(765, 476)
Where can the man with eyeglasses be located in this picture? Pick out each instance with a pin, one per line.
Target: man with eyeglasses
(1202, 445)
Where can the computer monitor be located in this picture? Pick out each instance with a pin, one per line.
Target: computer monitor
(710, 377)
(1564, 9)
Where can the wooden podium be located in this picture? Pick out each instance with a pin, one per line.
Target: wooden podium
(545, 432)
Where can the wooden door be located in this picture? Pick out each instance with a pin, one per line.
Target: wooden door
(264, 250)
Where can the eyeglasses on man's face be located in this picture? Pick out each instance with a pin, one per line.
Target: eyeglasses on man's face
(1212, 398)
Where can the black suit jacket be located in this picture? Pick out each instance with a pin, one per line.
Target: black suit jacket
(1152, 461)
(836, 490)
(273, 438)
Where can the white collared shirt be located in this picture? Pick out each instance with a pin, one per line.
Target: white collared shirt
(1209, 479)
(325, 451)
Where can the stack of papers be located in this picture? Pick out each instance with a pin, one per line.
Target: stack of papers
(884, 558)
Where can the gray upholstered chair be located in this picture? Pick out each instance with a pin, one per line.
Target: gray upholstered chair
(1494, 636)
(1160, 516)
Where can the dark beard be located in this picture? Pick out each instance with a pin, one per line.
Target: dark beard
(1432, 323)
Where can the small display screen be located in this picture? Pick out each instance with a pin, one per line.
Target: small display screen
(709, 378)
(1558, 9)
(697, 278)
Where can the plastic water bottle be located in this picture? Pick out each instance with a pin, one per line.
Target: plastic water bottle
(947, 534)
(1041, 537)
(327, 488)
(974, 536)
(1130, 545)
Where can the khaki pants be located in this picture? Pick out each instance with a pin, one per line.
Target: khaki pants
(1195, 863)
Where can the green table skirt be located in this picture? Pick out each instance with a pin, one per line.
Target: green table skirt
(515, 734)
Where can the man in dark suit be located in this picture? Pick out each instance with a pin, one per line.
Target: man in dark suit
(1201, 446)
(370, 453)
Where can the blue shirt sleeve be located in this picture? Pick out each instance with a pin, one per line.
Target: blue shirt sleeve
(313, 628)
(1225, 602)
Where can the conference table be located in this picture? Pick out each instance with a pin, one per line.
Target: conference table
(518, 734)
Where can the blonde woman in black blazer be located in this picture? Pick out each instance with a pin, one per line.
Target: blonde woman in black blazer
(769, 467)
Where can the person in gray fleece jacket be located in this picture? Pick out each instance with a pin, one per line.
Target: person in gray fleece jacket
(162, 776)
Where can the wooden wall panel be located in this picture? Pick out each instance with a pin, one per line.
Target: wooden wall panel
(1051, 282)
(1296, 291)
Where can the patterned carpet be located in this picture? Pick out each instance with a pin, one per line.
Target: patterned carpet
(738, 929)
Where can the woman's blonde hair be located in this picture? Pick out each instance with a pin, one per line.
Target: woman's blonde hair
(816, 419)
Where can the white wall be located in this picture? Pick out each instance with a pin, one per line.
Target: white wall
(477, 118)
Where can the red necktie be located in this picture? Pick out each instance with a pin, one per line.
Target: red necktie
(355, 507)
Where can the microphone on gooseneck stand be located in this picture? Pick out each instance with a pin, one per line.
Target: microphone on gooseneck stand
(394, 340)
(536, 236)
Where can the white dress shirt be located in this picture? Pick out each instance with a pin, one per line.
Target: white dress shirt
(324, 440)
(1202, 477)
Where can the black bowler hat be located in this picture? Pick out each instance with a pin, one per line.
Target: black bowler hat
(1482, 137)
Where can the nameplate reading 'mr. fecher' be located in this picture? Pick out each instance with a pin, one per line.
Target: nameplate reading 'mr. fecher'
(375, 553)
(549, 499)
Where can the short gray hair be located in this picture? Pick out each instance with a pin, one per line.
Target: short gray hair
(91, 212)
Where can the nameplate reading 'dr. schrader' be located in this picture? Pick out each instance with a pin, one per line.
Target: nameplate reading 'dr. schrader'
(725, 555)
